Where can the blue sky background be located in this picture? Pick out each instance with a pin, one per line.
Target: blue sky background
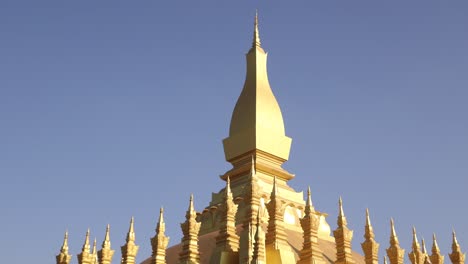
(111, 109)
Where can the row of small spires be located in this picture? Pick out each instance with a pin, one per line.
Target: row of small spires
(190, 254)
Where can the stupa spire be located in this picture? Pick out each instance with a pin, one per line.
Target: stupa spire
(258, 255)
(63, 257)
(416, 256)
(256, 35)
(159, 241)
(106, 253)
(395, 253)
(85, 256)
(436, 257)
(130, 249)
(190, 253)
(227, 241)
(310, 253)
(257, 125)
(457, 257)
(370, 246)
(343, 236)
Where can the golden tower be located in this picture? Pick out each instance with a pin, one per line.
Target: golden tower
(311, 252)
(343, 236)
(436, 257)
(416, 256)
(190, 228)
(130, 249)
(106, 253)
(227, 241)
(370, 246)
(457, 257)
(63, 257)
(159, 241)
(395, 253)
(85, 257)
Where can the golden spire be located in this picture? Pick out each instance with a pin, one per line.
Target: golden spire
(395, 253)
(310, 253)
(370, 246)
(85, 257)
(457, 257)
(416, 256)
(63, 257)
(227, 241)
(256, 36)
(257, 125)
(276, 242)
(190, 228)
(159, 241)
(94, 252)
(130, 249)
(106, 253)
(343, 236)
(436, 257)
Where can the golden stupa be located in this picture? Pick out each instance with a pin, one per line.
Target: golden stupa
(258, 218)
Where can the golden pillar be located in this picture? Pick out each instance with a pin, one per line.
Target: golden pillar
(310, 252)
(190, 253)
(457, 257)
(370, 247)
(130, 249)
(160, 241)
(106, 253)
(343, 236)
(63, 257)
(395, 253)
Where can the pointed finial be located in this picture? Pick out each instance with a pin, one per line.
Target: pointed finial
(455, 245)
(106, 242)
(415, 244)
(131, 231)
(274, 190)
(64, 248)
(94, 246)
(86, 243)
(256, 37)
(340, 203)
(368, 222)
(423, 246)
(191, 207)
(161, 215)
(435, 246)
(309, 197)
(228, 186)
(392, 228)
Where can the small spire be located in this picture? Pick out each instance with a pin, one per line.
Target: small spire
(455, 245)
(368, 223)
(191, 207)
(256, 36)
(423, 246)
(340, 203)
(106, 243)
(393, 235)
(86, 243)
(228, 186)
(161, 215)
(131, 231)
(435, 246)
(457, 257)
(94, 246)
(415, 244)
(309, 206)
(436, 257)
(64, 248)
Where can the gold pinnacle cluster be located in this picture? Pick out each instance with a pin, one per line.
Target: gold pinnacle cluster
(257, 218)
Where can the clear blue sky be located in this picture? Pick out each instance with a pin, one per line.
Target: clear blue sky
(111, 109)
